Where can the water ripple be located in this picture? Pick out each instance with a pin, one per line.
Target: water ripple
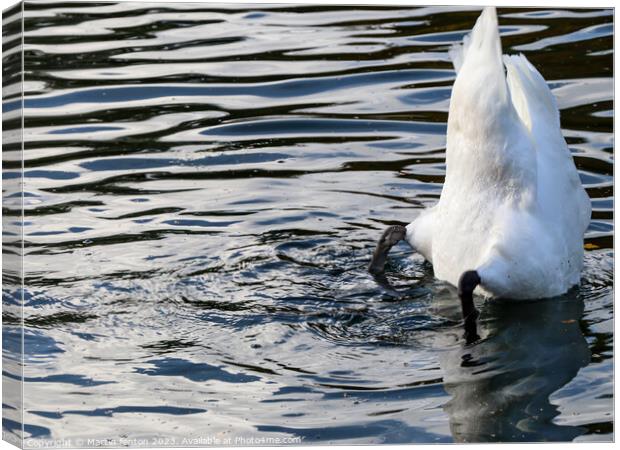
(204, 185)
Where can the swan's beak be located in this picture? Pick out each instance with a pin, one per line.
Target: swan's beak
(389, 237)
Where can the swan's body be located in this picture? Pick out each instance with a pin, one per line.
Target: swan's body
(512, 206)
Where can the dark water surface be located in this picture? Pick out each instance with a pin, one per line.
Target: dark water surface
(204, 187)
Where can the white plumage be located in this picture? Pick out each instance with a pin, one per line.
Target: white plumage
(512, 206)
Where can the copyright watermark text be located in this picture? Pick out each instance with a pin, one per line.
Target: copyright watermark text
(158, 441)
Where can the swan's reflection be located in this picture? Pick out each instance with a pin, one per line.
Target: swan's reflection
(500, 387)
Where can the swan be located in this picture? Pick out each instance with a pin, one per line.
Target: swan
(512, 213)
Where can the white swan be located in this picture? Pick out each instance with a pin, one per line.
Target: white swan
(512, 213)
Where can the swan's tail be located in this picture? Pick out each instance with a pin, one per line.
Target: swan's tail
(486, 136)
(482, 43)
(479, 63)
(481, 82)
(481, 50)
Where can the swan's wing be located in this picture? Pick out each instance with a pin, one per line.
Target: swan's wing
(560, 190)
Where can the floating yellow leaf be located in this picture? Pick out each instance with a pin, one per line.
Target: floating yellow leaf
(590, 246)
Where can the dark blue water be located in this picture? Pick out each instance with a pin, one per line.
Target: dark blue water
(204, 185)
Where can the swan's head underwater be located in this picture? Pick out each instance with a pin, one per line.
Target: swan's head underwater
(512, 213)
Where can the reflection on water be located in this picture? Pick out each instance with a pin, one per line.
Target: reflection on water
(500, 388)
(204, 185)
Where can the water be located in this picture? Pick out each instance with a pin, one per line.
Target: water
(204, 187)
